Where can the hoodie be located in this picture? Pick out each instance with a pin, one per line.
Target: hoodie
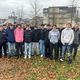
(54, 36)
(67, 36)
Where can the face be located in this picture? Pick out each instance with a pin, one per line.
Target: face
(4, 27)
(11, 27)
(76, 26)
(27, 27)
(54, 26)
(19, 26)
(68, 25)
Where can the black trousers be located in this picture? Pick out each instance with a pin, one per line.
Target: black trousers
(55, 47)
(74, 49)
(4, 46)
(47, 49)
(60, 49)
(19, 49)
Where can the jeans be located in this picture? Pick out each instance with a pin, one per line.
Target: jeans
(4, 46)
(64, 49)
(28, 49)
(35, 47)
(11, 48)
(42, 47)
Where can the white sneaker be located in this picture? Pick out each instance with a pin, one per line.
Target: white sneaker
(25, 57)
(29, 56)
(61, 60)
(41, 56)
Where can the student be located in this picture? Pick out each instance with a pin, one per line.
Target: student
(2, 42)
(54, 36)
(19, 38)
(35, 40)
(41, 41)
(75, 44)
(10, 40)
(47, 42)
(28, 42)
(67, 38)
(60, 28)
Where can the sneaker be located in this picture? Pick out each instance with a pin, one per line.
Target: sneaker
(25, 57)
(41, 56)
(29, 56)
(61, 60)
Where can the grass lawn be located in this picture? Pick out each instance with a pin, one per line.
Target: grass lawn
(39, 69)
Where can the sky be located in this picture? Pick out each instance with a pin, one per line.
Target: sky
(8, 6)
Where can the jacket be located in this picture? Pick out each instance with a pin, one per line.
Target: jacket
(19, 34)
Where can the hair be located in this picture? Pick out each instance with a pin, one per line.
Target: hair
(69, 24)
(18, 25)
(55, 25)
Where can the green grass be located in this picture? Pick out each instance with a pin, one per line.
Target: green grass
(38, 68)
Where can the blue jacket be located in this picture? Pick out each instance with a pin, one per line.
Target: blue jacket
(10, 35)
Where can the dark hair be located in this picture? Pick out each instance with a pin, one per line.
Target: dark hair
(69, 24)
(18, 25)
(55, 25)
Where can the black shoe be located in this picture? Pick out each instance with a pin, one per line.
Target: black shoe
(9, 56)
(51, 57)
(70, 61)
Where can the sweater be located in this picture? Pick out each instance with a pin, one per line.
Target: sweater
(67, 36)
(54, 36)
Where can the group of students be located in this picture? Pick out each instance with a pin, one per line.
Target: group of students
(49, 41)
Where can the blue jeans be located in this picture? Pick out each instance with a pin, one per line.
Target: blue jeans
(28, 49)
(11, 48)
(64, 49)
(42, 47)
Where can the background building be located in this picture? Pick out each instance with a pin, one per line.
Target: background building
(59, 14)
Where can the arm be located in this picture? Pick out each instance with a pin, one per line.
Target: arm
(72, 38)
(49, 36)
(62, 37)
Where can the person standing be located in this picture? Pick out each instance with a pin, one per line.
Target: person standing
(67, 38)
(41, 41)
(75, 44)
(54, 36)
(19, 38)
(3, 42)
(28, 42)
(10, 40)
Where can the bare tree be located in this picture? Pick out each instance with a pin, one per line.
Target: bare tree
(20, 13)
(36, 10)
(74, 4)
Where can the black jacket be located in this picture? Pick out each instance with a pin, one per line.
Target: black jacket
(46, 33)
(28, 36)
(35, 35)
(2, 37)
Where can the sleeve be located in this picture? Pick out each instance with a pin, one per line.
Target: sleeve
(58, 35)
(49, 36)
(62, 37)
(72, 38)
